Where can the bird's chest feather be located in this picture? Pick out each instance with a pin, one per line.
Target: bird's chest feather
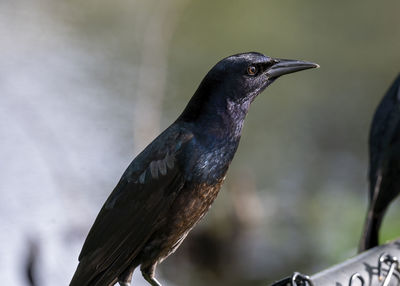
(202, 185)
(205, 164)
(209, 161)
(189, 208)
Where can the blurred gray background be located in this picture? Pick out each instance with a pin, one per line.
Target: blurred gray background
(85, 85)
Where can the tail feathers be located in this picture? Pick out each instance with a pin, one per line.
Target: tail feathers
(87, 275)
(370, 236)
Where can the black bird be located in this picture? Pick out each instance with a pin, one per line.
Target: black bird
(384, 163)
(171, 184)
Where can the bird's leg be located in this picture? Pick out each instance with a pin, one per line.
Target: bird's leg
(148, 274)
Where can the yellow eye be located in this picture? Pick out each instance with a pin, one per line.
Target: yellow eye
(251, 70)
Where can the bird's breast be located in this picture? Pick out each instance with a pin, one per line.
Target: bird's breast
(192, 204)
(201, 188)
(204, 172)
(188, 208)
(203, 179)
(209, 163)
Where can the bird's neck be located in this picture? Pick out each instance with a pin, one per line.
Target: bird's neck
(215, 114)
(217, 130)
(218, 118)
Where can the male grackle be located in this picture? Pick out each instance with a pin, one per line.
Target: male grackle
(384, 163)
(171, 184)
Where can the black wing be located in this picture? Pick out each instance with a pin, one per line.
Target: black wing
(130, 215)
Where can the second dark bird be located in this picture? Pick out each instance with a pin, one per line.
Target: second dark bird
(171, 184)
(384, 163)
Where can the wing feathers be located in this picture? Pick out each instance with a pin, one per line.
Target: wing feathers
(132, 212)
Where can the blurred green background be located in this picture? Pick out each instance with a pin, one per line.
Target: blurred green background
(85, 85)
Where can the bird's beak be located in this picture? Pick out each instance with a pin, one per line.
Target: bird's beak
(282, 67)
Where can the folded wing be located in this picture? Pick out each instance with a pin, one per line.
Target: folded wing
(132, 212)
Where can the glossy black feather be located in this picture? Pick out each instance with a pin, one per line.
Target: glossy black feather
(384, 163)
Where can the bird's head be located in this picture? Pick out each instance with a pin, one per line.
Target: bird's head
(239, 79)
(244, 76)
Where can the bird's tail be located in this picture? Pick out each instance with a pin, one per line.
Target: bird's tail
(84, 276)
(81, 277)
(370, 235)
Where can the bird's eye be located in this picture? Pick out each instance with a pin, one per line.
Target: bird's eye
(251, 70)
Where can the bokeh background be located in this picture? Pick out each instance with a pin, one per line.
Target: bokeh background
(85, 85)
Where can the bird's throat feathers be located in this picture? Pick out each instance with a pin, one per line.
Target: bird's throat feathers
(216, 115)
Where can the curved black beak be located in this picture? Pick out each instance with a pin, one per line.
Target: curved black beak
(283, 66)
